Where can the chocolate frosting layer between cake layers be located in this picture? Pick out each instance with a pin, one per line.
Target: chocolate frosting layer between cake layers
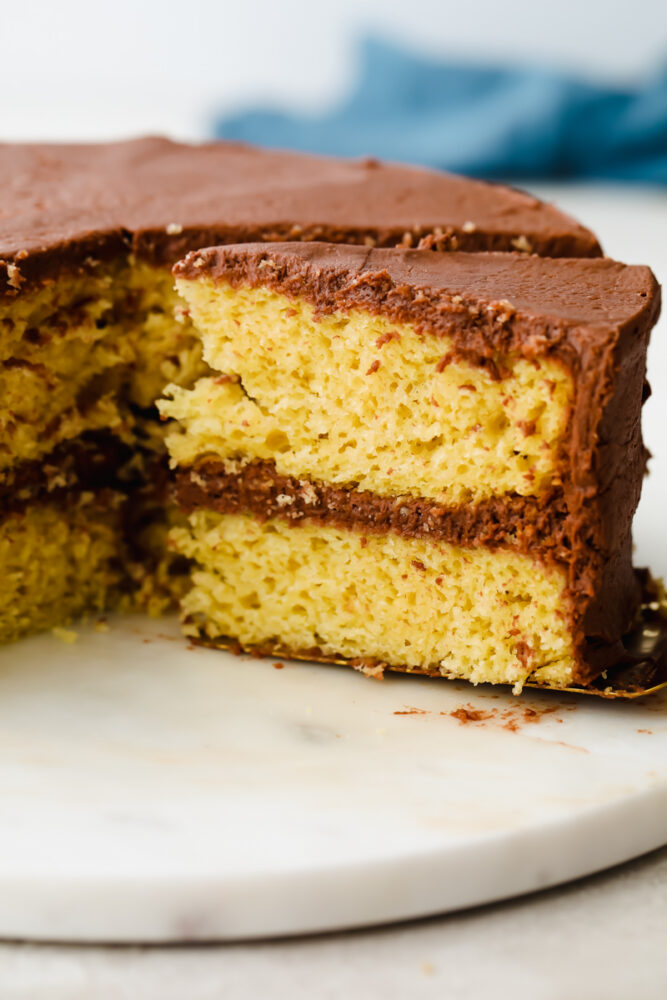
(62, 204)
(95, 462)
(529, 524)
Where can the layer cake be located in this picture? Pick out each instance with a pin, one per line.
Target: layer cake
(427, 462)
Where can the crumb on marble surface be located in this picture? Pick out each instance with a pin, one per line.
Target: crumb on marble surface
(67, 635)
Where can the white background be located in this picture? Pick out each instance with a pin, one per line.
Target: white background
(88, 69)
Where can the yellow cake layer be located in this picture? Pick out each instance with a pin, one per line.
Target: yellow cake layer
(56, 563)
(165, 346)
(486, 616)
(357, 398)
(157, 575)
(61, 560)
(76, 353)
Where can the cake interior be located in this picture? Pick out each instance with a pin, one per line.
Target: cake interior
(59, 560)
(90, 352)
(358, 398)
(378, 598)
(82, 361)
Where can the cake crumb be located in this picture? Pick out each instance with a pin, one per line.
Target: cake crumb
(308, 493)
(101, 625)
(174, 229)
(369, 668)
(466, 713)
(14, 277)
(278, 665)
(67, 635)
(469, 227)
(523, 244)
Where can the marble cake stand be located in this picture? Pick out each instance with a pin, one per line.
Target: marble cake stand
(155, 792)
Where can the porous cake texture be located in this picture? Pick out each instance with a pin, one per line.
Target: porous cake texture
(83, 360)
(423, 461)
(91, 331)
(408, 419)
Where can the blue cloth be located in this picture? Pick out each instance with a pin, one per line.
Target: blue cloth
(485, 122)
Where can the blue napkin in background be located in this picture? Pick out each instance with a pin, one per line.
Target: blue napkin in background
(486, 122)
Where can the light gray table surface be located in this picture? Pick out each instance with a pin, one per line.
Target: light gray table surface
(602, 938)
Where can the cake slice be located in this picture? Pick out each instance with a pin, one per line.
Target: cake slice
(427, 462)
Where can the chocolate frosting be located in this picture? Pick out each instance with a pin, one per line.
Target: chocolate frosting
(93, 462)
(528, 524)
(519, 301)
(63, 204)
(591, 316)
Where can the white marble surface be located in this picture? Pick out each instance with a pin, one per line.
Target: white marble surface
(153, 791)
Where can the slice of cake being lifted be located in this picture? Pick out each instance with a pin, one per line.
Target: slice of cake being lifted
(411, 460)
